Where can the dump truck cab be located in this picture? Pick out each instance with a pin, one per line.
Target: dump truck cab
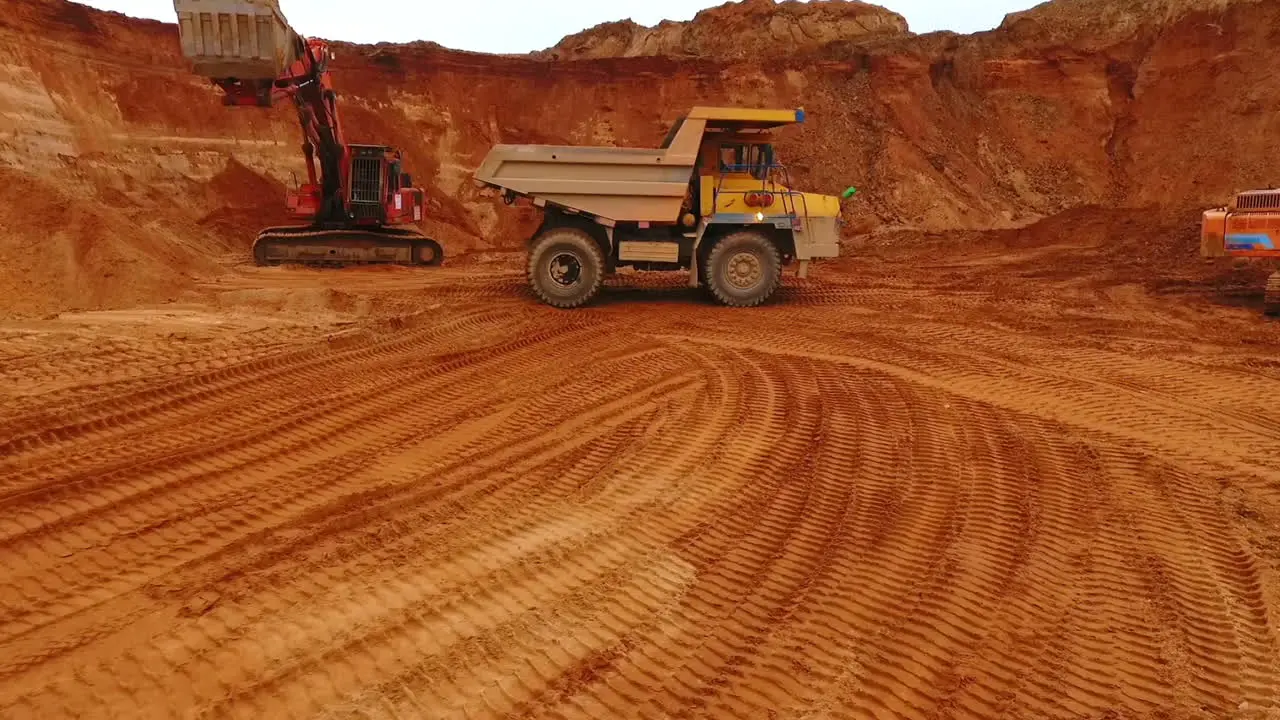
(714, 199)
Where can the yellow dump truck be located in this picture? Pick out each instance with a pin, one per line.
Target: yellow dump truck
(713, 200)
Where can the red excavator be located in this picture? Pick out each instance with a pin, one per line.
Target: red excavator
(358, 204)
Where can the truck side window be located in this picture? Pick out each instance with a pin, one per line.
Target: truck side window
(731, 158)
(760, 160)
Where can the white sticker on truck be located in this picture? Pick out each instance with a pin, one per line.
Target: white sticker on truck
(399, 202)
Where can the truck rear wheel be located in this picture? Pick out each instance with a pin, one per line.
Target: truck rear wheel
(566, 268)
(743, 270)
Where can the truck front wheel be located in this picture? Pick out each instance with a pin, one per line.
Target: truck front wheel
(566, 268)
(743, 270)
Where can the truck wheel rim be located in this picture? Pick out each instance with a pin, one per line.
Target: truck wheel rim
(565, 269)
(745, 270)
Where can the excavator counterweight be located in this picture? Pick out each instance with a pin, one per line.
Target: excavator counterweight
(358, 204)
(1248, 227)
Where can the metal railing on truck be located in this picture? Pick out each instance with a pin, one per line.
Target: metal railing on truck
(789, 205)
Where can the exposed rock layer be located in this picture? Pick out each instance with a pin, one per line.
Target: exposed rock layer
(742, 31)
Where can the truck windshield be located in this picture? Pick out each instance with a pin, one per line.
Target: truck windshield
(754, 159)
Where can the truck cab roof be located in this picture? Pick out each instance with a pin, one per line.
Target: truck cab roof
(745, 118)
(722, 119)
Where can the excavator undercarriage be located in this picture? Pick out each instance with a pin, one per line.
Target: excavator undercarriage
(343, 247)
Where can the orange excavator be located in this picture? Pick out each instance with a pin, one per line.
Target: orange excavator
(1249, 227)
(358, 205)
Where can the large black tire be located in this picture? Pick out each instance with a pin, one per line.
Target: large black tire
(1271, 302)
(743, 269)
(566, 268)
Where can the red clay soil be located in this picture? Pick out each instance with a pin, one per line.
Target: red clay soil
(1016, 454)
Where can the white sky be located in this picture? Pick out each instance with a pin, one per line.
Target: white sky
(518, 26)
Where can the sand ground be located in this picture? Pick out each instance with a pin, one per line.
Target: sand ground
(960, 486)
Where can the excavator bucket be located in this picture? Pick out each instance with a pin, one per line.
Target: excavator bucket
(247, 40)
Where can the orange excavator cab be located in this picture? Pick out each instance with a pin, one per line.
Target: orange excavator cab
(1248, 227)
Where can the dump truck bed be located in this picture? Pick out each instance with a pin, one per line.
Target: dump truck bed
(243, 39)
(620, 184)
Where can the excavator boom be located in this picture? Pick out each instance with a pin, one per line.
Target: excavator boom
(356, 201)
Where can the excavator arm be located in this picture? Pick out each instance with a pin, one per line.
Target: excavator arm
(307, 83)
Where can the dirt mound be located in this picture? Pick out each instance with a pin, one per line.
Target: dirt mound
(243, 202)
(59, 250)
(278, 302)
(747, 30)
(1094, 250)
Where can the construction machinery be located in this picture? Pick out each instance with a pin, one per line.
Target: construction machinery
(1248, 227)
(714, 200)
(358, 205)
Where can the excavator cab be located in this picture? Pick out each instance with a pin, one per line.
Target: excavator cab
(377, 191)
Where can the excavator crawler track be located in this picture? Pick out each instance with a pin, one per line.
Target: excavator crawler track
(340, 248)
(1272, 301)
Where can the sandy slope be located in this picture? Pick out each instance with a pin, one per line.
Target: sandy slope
(918, 485)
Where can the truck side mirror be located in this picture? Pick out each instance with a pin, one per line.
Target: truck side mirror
(406, 180)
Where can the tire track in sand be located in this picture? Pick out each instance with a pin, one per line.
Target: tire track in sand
(305, 482)
(831, 518)
(588, 553)
(632, 354)
(137, 416)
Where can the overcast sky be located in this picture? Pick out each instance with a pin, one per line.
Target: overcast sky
(518, 26)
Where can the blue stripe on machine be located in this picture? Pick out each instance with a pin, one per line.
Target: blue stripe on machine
(1250, 242)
